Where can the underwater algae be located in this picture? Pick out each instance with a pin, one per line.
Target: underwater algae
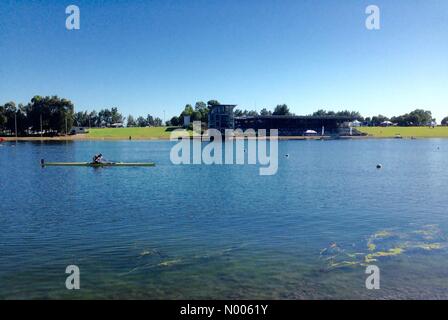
(384, 244)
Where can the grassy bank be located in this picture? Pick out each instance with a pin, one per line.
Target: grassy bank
(405, 132)
(135, 133)
(163, 133)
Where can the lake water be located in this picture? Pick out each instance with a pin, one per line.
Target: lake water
(215, 232)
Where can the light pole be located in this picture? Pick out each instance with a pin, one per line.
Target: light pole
(15, 123)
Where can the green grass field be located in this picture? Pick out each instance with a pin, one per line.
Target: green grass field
(405, 132)
(135, 133)
(164, 132)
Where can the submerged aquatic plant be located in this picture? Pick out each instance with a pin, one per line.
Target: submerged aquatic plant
(391, 252)
(383, 244)
(169, 263)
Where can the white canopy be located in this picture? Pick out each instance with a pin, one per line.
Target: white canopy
(310, 132)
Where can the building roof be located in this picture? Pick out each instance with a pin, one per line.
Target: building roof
(223, 105)
(342, 118)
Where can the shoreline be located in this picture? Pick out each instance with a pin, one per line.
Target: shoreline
(155, 139)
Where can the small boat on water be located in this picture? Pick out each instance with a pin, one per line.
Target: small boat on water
(95, 164)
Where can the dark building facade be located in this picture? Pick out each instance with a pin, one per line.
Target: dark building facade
(221, 117)
(295, 125)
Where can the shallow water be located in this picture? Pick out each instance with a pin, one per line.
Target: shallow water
(198, 231)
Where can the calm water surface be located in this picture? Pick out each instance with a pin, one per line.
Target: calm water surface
(224, 231)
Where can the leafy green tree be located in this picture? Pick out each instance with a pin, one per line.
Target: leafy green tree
(175, 122)
(150, 120)
(377, 120)
(355, 115)
(265, 112)
(141, 122)
(104, 117)
(93, 119)
(202, 108)
(8, 115)
(10, 111)
(3, 118)
(320, 113)
(56, 114)
(238, 113)
(188, 111)
(196, 116)
(131, 122)
(22, 119)
(250, 113)
(418, 117)
(158, 122)
(445, 121)
(212, 103)
(81, 119)
(281, 110)
(116, 116)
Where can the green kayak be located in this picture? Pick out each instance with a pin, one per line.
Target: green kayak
(102, 164)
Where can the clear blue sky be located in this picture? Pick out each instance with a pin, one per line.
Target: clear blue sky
(149, 56)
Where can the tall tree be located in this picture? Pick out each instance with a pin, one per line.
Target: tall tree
(116, 116)
(250, 113)
(202, 109)
(355, 115)
(238, 113)
(188, 111)
(281, 110)
(445, 121)
(81, 119)
(9, 113)
(212, 103)
(131, 121)
(3, 118)
(56, 114)
(265, 112)
(93, 119)
(418, 117)
(150, 120)
(377, 120)
(158, 122)
(141, 122)
(105, 117)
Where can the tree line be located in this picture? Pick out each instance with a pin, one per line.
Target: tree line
(54, 115)
(418, 117)
(51, 115)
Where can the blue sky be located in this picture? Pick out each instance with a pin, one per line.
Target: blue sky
(150, 56)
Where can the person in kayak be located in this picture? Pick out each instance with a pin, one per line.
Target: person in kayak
(98, 158)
